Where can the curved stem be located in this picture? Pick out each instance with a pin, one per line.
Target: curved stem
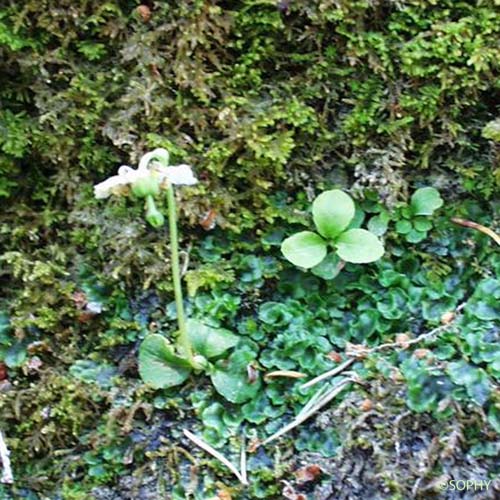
(183, 339)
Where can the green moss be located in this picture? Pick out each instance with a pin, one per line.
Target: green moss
(271, 102)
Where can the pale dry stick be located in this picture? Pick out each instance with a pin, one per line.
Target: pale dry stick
(397, 442)
(314, 399)
(185, 263)
(416, 340)
(304, 415)
(243, 460)
(212, 451)
(7, 476)
(325, 396)
(330, 373)
(284, 373)
(478, 227)
(322, 393)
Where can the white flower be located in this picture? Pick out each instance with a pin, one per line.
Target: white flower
(112, 185)
(158, 154)
(151, 167)
(178, 174)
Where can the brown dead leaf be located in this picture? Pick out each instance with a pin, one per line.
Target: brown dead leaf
(253, 445)
(208, 220)
(145, 12)
(447, 317)
(357, 350)
(34, 364)
(402, 339)
(80, 299)
(289, 493)
(251, 373)
(421, 353)
(3, 371)
(308, 473)
(366, 405)
(224, 495)
(334, 356)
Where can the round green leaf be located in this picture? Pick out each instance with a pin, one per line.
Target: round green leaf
(403, 226)
(16, 354)
(485, 311)
(329, 267)
(159, 366)
(209, 341)
(415, 236)
(422, 224)
(304, 249)
(234, 386)
(378, 225)
(332, 212)
(359, 246)
(230, 378)
(425, 201)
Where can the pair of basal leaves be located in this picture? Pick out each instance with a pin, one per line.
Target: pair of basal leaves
(333, 211)
(161, 367)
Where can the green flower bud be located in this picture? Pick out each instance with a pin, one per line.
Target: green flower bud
(146, 186)
(200, 362)
(153, 215)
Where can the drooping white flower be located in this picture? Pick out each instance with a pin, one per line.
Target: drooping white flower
(115, 184)
(181, 175)
(159, 154)
(151, 175)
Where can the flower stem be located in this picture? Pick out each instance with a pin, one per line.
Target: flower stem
(183, 339)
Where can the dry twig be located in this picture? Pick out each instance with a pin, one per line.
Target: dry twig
(318, 401)
(330, 373)
(361, 351)
(478, 227)
(212, 451)
(284, 373)
(243, 461)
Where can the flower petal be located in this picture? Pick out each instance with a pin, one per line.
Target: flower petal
(131, 175)
(159, 154)
(105, 189)
(180, 174)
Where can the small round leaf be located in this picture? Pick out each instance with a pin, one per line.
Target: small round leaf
(403, 226)
(305, 249)
(332, 212)
(230, 378)
(378, 225)
(359, 246)
(329, 267)
(425, 201)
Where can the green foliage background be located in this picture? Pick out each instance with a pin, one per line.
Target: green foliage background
(268, 100)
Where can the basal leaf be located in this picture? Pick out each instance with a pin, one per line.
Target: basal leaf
(159, 366)
(359, 246)
(305, 249)
(209, 341)
(332, 212)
